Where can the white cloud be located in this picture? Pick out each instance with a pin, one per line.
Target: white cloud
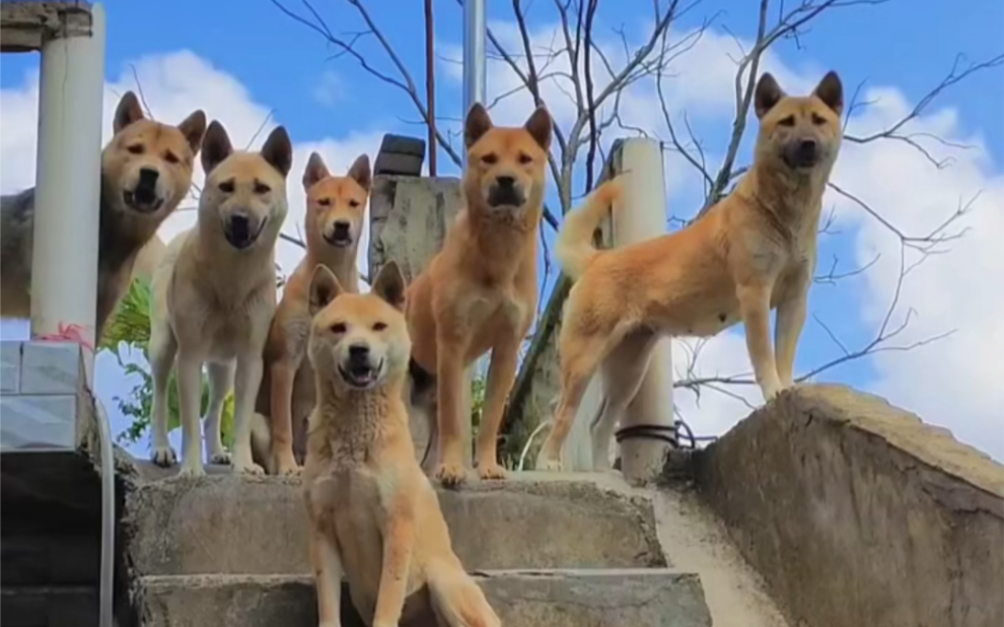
(329, 89)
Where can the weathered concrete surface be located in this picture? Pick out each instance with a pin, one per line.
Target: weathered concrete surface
(631, 598)
(857, 513)
(232, 524)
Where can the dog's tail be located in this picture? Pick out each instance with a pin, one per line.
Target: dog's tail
(458, 601)
(575, 248)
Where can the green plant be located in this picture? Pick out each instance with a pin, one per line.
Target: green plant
(128, 332)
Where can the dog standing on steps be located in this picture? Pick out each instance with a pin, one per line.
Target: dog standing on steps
(479, 293)
(753, 251)
(336, 206)
(374, 516)
(214, 298)
(146, 170)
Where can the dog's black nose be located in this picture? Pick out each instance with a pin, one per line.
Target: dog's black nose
(147, 178)
(239, 231)
(359, 354)
(807, 149)
(505, 181)
(342, 229)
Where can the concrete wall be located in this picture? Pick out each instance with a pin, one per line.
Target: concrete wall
(858, 514)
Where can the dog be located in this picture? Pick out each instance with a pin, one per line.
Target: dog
(374, 516)
(753, 251)
(336, 207)
(146, 171)
(214, 297)
(479, 293)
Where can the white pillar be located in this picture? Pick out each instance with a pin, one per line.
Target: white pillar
(474, 53)
(642, 458)
(68, 189)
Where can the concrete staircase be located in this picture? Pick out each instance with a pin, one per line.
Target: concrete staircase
(549, 551)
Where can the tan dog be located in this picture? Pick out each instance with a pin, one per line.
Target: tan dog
(336, 206)
(214, 297)
(146, 170)
(753, 251)
(479, 293)
(374, 515)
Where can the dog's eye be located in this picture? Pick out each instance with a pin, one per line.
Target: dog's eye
(261, 188)
(379, 326)
(489, 159)
(338, 328)
(324, 202)
(818, 120)
(227, 187)
(170, 157)
(788, 121)
(525, 158)
(353, 203)
(136, 149)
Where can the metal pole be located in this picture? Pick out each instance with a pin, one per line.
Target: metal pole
(430, 85)
(474, 53)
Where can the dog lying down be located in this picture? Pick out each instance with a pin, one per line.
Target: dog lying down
(374, 515)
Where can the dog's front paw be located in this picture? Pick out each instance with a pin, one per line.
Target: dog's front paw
(287, 466)
(451, 475)
(247, 468)
(192, 470)
(221, 457)
(164, 456)
(491, 471)
(549, 465)
(330, 623)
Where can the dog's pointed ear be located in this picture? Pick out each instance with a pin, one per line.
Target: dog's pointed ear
(390, 285)
(194, 128)
(316, 171)
(478, 123)
(324, 287)
(768, 93)
(360, 172)
(831, 91)
(128, 111)
(216, 146)
(540, 126)
(278, 151)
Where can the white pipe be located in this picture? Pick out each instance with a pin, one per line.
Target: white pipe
(68, 187)
(67, 214)
(474, 53)
(642, 459)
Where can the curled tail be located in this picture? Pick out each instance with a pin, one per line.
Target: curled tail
(575, 248)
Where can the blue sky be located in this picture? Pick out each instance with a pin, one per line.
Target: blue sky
(903, 45)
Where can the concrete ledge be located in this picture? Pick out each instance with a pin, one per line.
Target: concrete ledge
(232, 524)
(25, 25)
(857, 513)
(630, 598)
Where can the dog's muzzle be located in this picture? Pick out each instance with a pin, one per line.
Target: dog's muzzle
(802, 154)
(143, 198)
(505, 193)
(358, 369)
(340, 235)
(241, 230)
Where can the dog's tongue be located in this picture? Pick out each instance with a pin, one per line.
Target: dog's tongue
(363, 374)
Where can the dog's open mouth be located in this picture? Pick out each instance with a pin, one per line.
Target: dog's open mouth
(239, 232)
(361, 376)
(142, 200)
(338, 239)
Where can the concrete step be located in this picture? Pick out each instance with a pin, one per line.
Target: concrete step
(556, 598)
(257, 525)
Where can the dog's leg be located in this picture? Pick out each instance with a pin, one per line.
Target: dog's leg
(580, 356)
(754, 303)
(283, 373)
(399, 544)
(450, 376)
(246, 382)
(501, 376)
(189, 400)
(163, 348)
(221, 381)
(788, 328)
(327, 565)
(623, 371)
